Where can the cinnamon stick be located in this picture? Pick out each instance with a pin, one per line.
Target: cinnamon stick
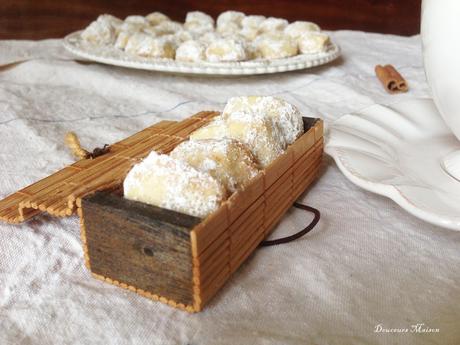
(390, 78)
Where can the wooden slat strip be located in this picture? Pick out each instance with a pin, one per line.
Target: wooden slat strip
(277, 218)
(209, 230)
(244, 253)
(275, 186)
(238, 229)
(212, 256)
(142, 147)
(61, 191)
(305, 171)
(302, 164)
(209, 290)
(50, 181)
(206, 272)
(239, 238)
(214, 247)
(276, 169)
(107, 181)
(160, 126)
(256, 207)
(239, 202)
(183, 128)
(303, 144)
(206, 115)
(307, 156)
(281, 188)
(298, 190)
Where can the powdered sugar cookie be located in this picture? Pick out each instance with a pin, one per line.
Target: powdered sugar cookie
(298, 28)
(230, 17)
(163, 181)
(276, 45)
(228, 161)
(199, 17)
(168, 28)
(249, 32)
(183, 36)
(191, 51)
(226, 50)
(272, 24)
(144, 45)
(122, 39)
(313, 42)
(257, 131)
(156, 18)
(286, 116)
(103, 30)
(209, 37)
(136, 20)
(229, 29)
(253, 21)
(132, 27)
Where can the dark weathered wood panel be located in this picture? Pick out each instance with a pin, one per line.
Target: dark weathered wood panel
(33, 19)
(140, 245)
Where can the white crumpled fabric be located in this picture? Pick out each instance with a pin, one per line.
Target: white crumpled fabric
(367, 263)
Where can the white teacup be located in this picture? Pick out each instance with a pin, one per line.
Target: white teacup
(440, 30)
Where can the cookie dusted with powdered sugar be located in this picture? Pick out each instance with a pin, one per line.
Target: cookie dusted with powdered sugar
(156, 18)
(226, 49)
(227, 160)
(147, 46)
(191, 51)
(272, 24)
(227, 17)
(276, 45)
(298, 28)
(313, 42)
(252, 21)
(168, 28)
(163, 181)
(232, 37)
(139, 20)
(198, 22)
(257, 131)
(285, 116)
(103, 30)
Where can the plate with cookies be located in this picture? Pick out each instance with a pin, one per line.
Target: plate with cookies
(233, 44)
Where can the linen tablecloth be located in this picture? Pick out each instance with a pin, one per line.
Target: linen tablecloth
(368, 264)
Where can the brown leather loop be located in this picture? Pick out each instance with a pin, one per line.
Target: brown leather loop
(308, 228)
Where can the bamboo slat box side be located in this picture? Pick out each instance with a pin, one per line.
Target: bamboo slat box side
(183, 260)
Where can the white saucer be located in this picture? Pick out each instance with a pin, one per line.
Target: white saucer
(113, 56)
(397, 152)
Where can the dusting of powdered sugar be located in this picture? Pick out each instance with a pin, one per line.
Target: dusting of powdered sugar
(276, 45)
(226, 49)
(103, 30)
(227, 160)
(165, 182)
(284, 115)
(256, 130)
(191, 51)
(259, 133)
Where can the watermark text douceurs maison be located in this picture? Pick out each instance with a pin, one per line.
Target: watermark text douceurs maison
(415, 328)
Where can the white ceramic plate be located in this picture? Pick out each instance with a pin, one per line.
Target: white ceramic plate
(397, 152)
(113, 56)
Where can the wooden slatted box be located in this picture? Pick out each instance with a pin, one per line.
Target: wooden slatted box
(164, 255)
(183, 260)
